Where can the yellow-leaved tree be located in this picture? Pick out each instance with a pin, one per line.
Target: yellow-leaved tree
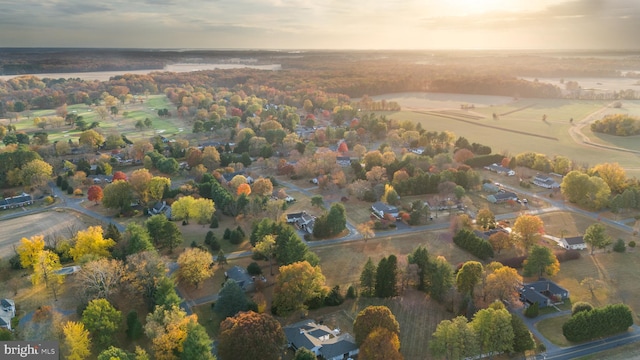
(167, 327)
(91, 243)
(29, 250)
(187, 208)
(194, 266)
(77, 343)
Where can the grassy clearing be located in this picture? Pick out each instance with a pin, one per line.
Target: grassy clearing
(552, 330)
(529, 120)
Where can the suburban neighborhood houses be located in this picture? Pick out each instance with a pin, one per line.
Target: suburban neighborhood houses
(242, 214)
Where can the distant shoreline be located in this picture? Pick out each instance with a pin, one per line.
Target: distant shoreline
(178, 68)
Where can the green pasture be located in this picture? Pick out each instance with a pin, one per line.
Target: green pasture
(522, 129)
(124, 124)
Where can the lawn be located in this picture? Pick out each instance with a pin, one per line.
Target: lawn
(552, 330)
(124, 124)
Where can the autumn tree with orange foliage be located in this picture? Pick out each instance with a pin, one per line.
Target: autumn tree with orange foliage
(381, 344)
(244, 189)
(167, 329)
(94, 193)
(249, 336)
(119, 175)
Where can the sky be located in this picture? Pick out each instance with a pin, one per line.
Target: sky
(322, 24)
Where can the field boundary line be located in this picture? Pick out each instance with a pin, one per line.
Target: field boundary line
(487, 126)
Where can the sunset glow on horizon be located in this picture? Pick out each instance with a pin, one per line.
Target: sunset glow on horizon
(307, 24)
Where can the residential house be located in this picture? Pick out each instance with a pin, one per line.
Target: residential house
(573, 243)
(487, 234)
(324, 342)
(302, 221)
(161, 207)
(500, 170)
(343, 161)
(501, 197)
(7, 312)
(241, 277)
(21, 200)
(229, 176)
(490, 188)
(381, 209)
(545, 182)
(544, 292)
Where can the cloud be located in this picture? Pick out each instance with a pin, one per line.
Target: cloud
(320, 24)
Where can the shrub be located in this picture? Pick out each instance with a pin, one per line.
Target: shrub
(334, 298)
(632, 244)
(15, 263)
(351, 292)
(580, 306)
(566, 255)
(134, 327)
(227, 234)
(254, 269)
(64, 185)
(48, 200)
(532, 311)
(514, 262)
(473, 244)
(619, 246)
(215, 245)
(214, 223)
(236, 237)
(70, 190)
(599, 322)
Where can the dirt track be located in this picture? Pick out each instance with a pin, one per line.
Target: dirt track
(47, 223)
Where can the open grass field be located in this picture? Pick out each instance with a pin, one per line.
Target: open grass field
(124, 124)
(49, 223)
(521, 128)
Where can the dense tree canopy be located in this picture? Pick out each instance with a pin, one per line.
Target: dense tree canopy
(371, 318)
(250, 336)
(296, 284)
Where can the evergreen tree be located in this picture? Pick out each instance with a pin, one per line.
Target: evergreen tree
(197, 344)
(368, 278)
(387, 277)
(231, 300)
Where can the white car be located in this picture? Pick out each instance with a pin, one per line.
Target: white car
(289, 199)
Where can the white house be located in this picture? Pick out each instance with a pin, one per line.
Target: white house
(7, 312)
(545, 182)
(324, 342)
(574, 243)
(501, 170)
(381, 209)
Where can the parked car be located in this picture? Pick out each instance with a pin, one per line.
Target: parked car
(289, 199)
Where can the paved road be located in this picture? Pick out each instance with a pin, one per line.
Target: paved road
(593, 347)
(74, 204)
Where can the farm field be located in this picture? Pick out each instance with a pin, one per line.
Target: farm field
(520, 128)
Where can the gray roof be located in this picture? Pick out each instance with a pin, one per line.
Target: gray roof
(380, 206)
(307, 334)
(239, 275)
(575, 240)
(533, 292)
(5, 303)
(22, 198)
(486, 234)
(344, 344)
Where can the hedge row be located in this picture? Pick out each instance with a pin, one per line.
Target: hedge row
(473, 244)
(596, 323)
(484, 160)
